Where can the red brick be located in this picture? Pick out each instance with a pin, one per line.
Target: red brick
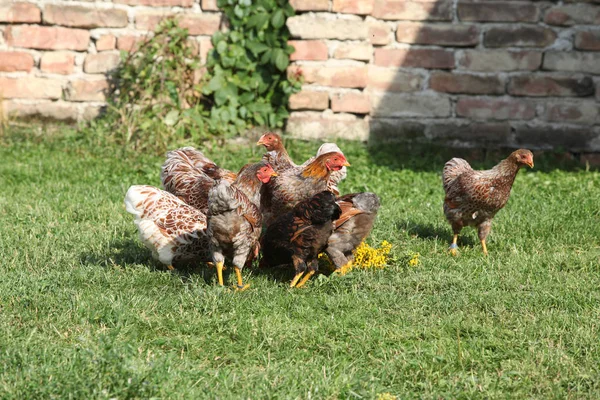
(542, 86)
(573, 61)
(44, 110)
(488, 109)
(361, 7)
(500, 60)
(409, 105)
(588, 40)
(468, 84)
(437, 34)
(205, 47)
(550, 137)
(100, 63)
(58, 62)
(520, 36)
(312, 50)
(200, 24)
(209, 5)
(129, 42)
(573, 14)
(11, 61)
(30, 88)
(87, 90)
(414, 58)
(354, 51)
(20, 13)
(149, 20)
(379, 32)
(84, 17)
(580, 112)
(392, 80)
(310, 5)
(309, 100)
(440, 10)
(307, 26)
(348, 77)
(106, 42)
(315, 125)
(47, 38)
(356, 103)
(498, 12)
(157, 3)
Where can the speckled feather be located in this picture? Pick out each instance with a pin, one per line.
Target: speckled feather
(189, 175)
(174, 231)
(474, 197)
(234, 219)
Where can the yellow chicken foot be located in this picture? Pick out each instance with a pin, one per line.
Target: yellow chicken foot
(484, 247)
(210, 264)
(454, 247)
(240, 285)
(220, 273)
(344, 269)
(170, 268)
(295, 280)
(305, 278)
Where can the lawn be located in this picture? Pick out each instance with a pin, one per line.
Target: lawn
(86, 313)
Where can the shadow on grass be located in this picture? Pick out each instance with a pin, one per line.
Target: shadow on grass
(441, 234)
(431, 157)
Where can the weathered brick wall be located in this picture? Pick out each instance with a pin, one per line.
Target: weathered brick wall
(55, 55)
(463, 73)
(493, 73)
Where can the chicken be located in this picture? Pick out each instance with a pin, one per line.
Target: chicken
(474, 197)
(279, 158)
(189, 175)
(298, 236)
(234, 218)
(352, 227)
(174, 231)
(295, 185)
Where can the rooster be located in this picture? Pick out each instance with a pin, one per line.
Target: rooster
(294, 185)
(174, 231)
(189, 175)
(234, 218)
(298, 236)
(474, 197)
(358, 212)
(279, 158)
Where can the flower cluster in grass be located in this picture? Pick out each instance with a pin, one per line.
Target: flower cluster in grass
(365, 257)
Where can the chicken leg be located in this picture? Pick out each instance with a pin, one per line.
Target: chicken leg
(220, 272)
(454, 247)
(240, 285)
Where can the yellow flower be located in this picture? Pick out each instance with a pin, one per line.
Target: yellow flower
(414, 261)
(386, 396)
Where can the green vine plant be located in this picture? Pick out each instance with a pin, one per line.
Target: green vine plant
(246, 82)
(158, 99)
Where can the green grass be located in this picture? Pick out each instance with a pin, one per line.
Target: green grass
(85, 312)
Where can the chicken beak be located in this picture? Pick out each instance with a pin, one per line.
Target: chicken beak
(346, 164)
(274, 173)
(259, 142)
(530, 163)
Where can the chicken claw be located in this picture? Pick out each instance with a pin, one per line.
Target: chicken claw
(453, 249)
(220, 272)
(170, 268)
(240, 285)
(305, 278)
(295, 280)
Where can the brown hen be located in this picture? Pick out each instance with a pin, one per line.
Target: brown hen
(234, 218)
(279, 158)
(474, 197)
(189, 175)
(298, 236)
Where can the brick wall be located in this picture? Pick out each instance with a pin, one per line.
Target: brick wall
(464, 73)
(55, 55)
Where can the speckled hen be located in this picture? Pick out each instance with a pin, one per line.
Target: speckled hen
(234, 218)
(474, 197)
